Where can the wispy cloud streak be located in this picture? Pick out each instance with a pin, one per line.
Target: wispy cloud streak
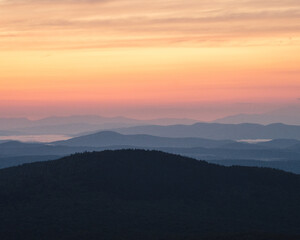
(126, 23)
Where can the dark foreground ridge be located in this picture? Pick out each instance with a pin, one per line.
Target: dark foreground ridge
(137, 194)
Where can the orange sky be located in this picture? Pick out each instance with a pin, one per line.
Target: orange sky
(104, 56)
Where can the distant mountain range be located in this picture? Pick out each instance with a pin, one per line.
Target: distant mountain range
(72, 125)
(137, 194)
(109, 138)
(287, 115)
(218, 131)
(13, 153)
(285, 123)
(84, 124)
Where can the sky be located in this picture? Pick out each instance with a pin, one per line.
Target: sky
(202, 59)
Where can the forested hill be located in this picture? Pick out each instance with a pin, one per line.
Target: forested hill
(137, 194)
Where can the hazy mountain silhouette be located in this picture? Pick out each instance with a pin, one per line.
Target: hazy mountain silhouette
(15, 148)
(10, 123)
(288, 166)
(264, 154)
(95, 119)
(8, 133)
(109, 138)
(71, 129)
(146, 195)
(218, 131)
(204, 149)
(287, 115)
(77, 124)
(295, 147)
(242, 145)
(82, 125)
(280, 143)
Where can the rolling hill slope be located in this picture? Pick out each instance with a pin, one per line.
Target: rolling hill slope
(137, 194)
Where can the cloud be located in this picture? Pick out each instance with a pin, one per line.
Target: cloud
(51, 1)
(133, 22)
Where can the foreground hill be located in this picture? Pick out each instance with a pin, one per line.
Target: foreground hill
(137, 194)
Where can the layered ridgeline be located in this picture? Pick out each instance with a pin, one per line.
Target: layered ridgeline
(83, 125)
(110, 138)
(286, 115)
(71, 125)
(137, 194)
(279, 153)
(219, 131)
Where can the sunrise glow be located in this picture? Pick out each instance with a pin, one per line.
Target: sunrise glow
(111, 55)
